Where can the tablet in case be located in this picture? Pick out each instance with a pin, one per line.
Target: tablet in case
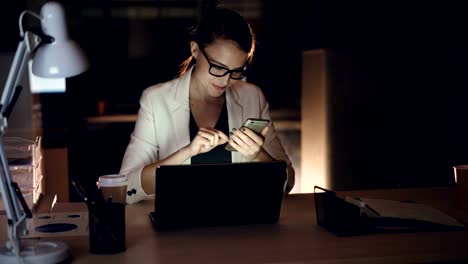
(218, 194)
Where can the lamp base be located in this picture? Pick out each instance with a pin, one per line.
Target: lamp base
(34, 251)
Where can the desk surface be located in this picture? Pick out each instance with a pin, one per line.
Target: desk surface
(295, 239)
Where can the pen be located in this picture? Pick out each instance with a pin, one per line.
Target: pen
(81, 192)
(93, 212)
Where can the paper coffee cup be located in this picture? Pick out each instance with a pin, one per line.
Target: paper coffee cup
(113, 187)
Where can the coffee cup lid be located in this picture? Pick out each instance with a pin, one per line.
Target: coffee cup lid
(112, 180)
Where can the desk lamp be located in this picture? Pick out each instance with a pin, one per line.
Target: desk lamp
(54, 55)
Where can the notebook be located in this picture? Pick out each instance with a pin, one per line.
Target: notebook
(218, 194)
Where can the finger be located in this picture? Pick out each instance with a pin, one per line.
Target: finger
(265, 131)
(202, 144)
(202, 140)
(204, 133)
(223, 137)
(208, 135)
(252, 135)
(220, 137)
(246, 138)
(237, 147)
(239, 141)
(208, 129)
(212, 140)
(223, 141)
(215, 140)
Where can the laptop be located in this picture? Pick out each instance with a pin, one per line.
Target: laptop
(190, 196)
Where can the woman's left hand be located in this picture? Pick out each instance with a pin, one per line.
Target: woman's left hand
(247, 142)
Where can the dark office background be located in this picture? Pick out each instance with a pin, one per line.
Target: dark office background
(397, 98)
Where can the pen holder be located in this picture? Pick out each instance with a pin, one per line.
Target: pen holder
(107, 228)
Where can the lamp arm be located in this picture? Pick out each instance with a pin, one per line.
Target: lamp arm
(22, 54)
(14, 77)
(20, 20)
(16, 217)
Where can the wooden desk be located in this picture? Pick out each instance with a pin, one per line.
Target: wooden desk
(296, 239)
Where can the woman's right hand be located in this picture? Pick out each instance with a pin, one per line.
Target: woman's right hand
(206, 140)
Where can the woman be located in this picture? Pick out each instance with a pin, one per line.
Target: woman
(187, 120)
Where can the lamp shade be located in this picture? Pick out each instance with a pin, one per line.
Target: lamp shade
(62, 57)
(59, 60)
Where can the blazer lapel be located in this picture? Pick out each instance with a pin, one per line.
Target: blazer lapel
(181, 111)
(235, 115)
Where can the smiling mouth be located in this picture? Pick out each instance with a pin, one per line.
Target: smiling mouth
(219, 87)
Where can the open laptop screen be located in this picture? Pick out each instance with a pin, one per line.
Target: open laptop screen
(218, 194)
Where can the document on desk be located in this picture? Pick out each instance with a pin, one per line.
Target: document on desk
(410, 211)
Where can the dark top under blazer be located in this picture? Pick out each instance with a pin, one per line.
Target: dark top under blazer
(217, 154)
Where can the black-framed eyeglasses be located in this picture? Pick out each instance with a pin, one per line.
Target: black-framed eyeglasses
(221, 71)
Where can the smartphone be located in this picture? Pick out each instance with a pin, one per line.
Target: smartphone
(256, 125)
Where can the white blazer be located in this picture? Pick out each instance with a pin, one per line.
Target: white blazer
(162, 127)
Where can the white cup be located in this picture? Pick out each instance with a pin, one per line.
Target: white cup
(113, 187)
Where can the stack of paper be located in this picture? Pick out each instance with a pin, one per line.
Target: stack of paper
(410, 211)
(26, 166)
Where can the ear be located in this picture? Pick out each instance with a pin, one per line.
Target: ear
(194, 49)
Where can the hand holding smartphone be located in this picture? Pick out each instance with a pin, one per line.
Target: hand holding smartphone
(256, 125)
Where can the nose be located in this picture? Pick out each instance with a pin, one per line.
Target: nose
(225, 80)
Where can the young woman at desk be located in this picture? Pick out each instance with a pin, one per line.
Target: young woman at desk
(188, 120)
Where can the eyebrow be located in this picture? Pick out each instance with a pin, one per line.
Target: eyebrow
(225, 66)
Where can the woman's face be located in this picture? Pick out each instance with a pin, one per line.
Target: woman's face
(224, 56)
